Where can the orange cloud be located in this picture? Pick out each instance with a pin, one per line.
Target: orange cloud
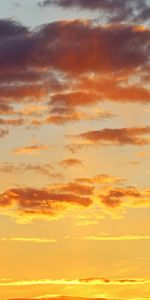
(45, 169)
(71, 162)
(70, 77)
(30, 150)
(63, 115)
(12, 122)
(127, 197)
(53, 201)
(117, 137)
(31, 202)
(70, 55)
(77, 188)
(100, 179)
(114, 89)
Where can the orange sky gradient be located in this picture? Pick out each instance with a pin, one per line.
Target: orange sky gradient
(75, 149)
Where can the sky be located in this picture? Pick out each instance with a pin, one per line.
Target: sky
(75, 149)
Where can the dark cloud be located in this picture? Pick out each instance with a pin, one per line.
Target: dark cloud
(10, 29)
(68, 64)
(67, 46)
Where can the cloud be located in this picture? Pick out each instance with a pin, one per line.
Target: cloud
(109, 88)
(82, 281)
(71, 162)
(49, 202)
(33, 50)
(118, 238)
(117, 137)
(74, 116)
(51, 297)
(114, 11)
(30, 150)
(125, 197)
(100, 179)
(10, 28)
(27, 203)
(35, 240)
(42, 240)
(12, 122)
(3, 132)
(77, 188)
(5, 109)
(58, 72)
(44, 169)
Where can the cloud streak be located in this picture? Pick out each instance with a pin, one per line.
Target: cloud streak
(35, 240)
(84, 281)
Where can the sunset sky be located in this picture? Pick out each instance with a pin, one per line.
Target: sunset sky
(75, 149)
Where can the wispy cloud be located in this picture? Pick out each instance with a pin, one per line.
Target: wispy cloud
(83, 281)
(30, 150)
(36, 240)
(117, 238)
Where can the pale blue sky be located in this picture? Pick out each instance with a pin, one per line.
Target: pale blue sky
(29, 13)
